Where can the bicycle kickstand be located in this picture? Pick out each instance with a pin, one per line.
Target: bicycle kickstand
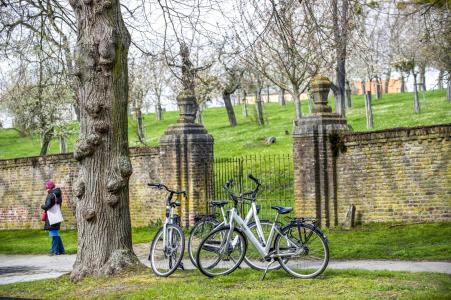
(267, 268)
(181, 266)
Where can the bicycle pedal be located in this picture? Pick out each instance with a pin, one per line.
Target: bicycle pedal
(181, 266)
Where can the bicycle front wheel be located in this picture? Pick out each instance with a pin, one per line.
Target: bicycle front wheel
(166, 251)
(303, 251)
(221, 251)
(197, 234)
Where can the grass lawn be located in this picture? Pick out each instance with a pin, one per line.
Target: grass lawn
(427, 241)
(393, 110)
(29, 241)
(242, 284)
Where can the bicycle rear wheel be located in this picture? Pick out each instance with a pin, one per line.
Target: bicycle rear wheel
(197, 234)
(303, 250)
(166, 257)
(221, 252)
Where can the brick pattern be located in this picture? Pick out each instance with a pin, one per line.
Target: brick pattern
(186, 156)
(22, 188)
(396, 175)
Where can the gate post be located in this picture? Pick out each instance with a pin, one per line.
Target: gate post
(314, 157)
(186, 160)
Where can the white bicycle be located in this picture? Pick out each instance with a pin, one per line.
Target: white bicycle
(260, 228)
(299, 247)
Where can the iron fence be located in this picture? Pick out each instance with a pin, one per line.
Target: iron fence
(275, 173)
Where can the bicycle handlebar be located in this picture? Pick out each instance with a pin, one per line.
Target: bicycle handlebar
(162, 186)
(252, 193)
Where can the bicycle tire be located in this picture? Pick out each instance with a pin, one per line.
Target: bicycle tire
(318, 241)
(172, 266)
(192, 245)
(210, 245)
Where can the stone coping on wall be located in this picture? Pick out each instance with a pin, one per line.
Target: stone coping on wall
(61, 158)
(400, 133)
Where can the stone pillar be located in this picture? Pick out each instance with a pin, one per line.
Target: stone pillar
(316, 144)
(186, 160)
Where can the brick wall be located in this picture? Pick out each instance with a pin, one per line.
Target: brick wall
(22, 192)
(399, 174)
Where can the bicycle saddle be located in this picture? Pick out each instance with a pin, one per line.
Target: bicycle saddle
(282, 210)
(219, 203)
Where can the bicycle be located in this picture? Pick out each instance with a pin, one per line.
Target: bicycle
(209, 223)
(299, 247)
(166, 250)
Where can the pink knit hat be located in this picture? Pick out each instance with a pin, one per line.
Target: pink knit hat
(49, 184)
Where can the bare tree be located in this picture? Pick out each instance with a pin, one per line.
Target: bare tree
(102, 212)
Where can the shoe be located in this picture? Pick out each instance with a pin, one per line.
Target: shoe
(51, 254)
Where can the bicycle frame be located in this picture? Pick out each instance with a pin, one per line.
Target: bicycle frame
(263, 251)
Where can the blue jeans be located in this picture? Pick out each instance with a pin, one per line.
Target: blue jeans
(57, 243)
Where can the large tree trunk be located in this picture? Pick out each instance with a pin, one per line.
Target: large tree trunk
(259, 106)
(102, 209)
(229, 108)
(46, 138)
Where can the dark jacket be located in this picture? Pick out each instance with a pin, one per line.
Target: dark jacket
(53, 197)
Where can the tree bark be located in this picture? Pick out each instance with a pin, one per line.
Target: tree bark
(46, 138)
(348, 95)
(440, 79)
(378, 88)
(282, 100)
(369, 111)
(363, 84)
(229, 108)
(416, 101)
(77, 111)
(102, 209)
(267, 94)
(244, 105)
(449, 87)
(423, 78)
(140, 128)
(259, 106)
(199, 119)
(403, 83)
(62, 141)
(297, 102)
(340, 36)
(387, 81)
(158, 109)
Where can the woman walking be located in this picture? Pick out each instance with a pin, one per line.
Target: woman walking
(52, 207)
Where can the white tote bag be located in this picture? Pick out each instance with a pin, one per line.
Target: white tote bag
(54, 214)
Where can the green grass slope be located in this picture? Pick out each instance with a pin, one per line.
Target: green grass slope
(393, 110)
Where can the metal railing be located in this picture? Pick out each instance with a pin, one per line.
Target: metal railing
(274, 171)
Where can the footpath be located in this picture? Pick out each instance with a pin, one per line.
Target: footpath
(21, 268)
